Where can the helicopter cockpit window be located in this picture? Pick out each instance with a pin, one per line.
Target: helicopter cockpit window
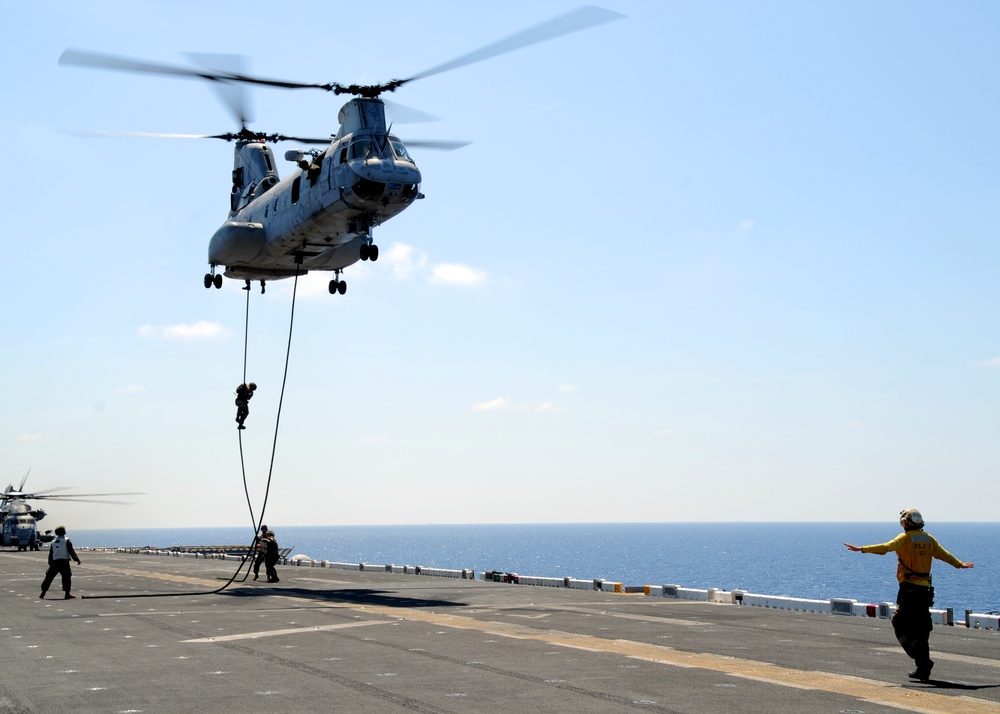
(401, 153)
(361, 148)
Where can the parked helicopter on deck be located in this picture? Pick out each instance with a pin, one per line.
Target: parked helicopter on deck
(322, 215)
(19, 520)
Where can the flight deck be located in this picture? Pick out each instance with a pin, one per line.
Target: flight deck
(145, 634)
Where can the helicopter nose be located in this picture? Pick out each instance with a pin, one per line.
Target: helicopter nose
(386, 188)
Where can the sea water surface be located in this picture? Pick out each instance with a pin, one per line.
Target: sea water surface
(805, 560)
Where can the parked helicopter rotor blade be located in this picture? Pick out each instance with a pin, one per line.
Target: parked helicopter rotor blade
(24, 480)
(72, 496)
(573, 21)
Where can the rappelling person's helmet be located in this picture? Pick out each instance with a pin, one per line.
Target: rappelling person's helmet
(911, 519)
(252, 386)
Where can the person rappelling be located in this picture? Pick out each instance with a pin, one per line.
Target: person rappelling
(244, 392)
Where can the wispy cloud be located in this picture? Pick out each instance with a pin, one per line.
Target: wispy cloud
(495, 405)
(502, 404)
(131, 389)
(993, 363)
(548, 408)
(30, 437)
(201, 330)
(853, 424)
(567, 387)
(747, 224)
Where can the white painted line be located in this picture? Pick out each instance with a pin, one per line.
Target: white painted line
(292, 631)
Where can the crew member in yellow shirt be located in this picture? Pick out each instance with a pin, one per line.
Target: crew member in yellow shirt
(912, 619)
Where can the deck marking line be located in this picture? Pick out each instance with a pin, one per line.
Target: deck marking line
(964, 659)
(291, 631)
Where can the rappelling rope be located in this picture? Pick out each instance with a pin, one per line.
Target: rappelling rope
(274, 447)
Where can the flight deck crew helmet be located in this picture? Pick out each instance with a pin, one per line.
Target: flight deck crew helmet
(911, 518)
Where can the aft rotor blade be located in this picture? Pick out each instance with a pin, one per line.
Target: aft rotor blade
(230, 136)
(232, 94)
(573, 21)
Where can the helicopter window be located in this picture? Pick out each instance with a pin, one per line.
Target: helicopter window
(296, 184)
(401, 153)
(343, 155)
(360, 148)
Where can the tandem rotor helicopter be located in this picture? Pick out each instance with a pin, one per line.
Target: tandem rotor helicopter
(19, 521)
(321, 216)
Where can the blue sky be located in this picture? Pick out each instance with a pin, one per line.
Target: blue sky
(716, 261)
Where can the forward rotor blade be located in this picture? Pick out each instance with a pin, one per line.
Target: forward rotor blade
(402, 114)
(439, 145)
(82, 58)
(573, 21)
(23, 480)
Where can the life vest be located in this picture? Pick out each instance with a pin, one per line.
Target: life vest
(59, 549)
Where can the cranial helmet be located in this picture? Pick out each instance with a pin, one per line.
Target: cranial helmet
(252, 386)
(911, 517)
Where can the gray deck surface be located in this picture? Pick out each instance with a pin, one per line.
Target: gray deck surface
(333, 640)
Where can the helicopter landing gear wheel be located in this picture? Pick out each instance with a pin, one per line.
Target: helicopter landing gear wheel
(338, 286)
(208, 280)
(368, 252)
(217, 281)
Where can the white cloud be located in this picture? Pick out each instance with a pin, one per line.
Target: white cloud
(548, 408)
(494, 405)
(201, 330)
(993, 363)
(746, 224)
(132, 389)
(853, 424)
(454, 274)
(567, 387)
(30, 437)
(665, 432)
(404, 260)
(502, 404)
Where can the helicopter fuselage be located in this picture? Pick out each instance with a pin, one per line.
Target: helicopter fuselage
(18, 525)
(320, 217)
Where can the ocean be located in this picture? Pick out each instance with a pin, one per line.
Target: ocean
(805, 560)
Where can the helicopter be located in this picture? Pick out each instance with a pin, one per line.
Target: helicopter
(19, 520)
(321, 216)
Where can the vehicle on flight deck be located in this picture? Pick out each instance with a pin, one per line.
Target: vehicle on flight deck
(321, 216)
